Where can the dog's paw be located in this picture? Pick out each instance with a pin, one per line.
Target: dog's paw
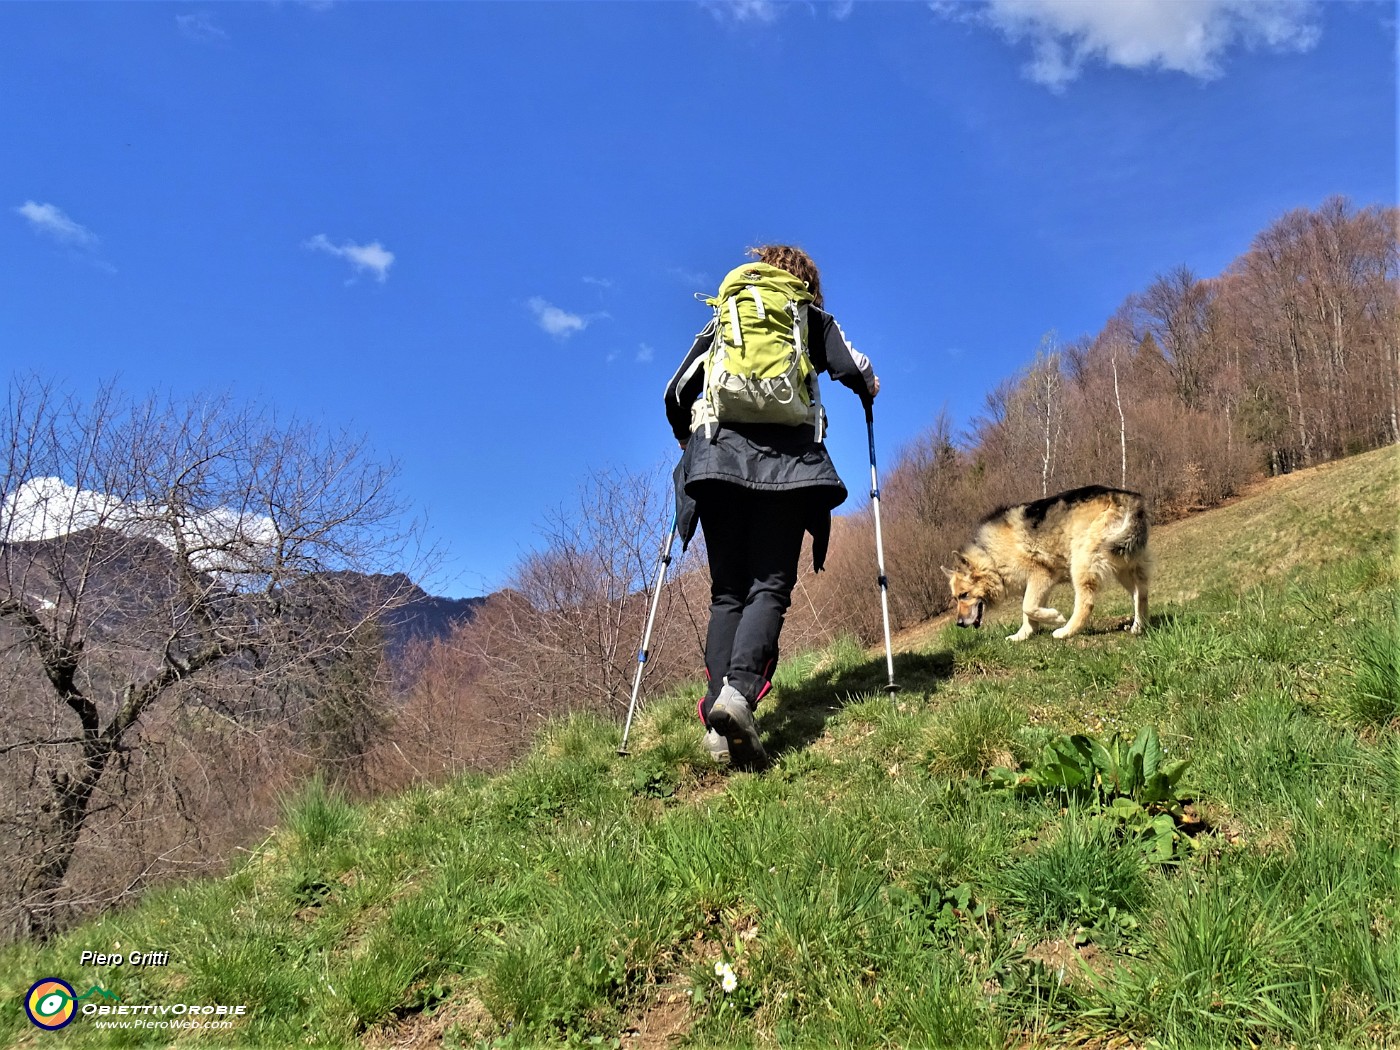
(1063, 632)
(1019, 636)
(1055, 616)
(1135, 628)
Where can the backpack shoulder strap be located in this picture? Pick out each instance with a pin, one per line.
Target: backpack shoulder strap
(800, 315)
(695, 360)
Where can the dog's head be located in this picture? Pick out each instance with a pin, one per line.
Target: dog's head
(975, 588)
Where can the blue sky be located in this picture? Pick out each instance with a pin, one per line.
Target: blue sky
(471, 231)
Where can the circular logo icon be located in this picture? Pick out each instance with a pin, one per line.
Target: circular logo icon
(51, 1003)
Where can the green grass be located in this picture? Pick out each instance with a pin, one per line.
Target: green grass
(870, 889)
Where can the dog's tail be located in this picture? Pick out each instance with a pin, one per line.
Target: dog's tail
(1131, 536)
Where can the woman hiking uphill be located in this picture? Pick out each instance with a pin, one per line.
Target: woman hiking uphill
(755, 474)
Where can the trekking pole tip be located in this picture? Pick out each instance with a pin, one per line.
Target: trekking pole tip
(891, 689)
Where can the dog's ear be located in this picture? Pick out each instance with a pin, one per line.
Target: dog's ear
(947, 571)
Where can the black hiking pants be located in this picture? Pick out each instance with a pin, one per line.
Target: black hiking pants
(753, 540)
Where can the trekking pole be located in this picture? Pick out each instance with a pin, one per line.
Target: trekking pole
(646, 635)
(891, 688)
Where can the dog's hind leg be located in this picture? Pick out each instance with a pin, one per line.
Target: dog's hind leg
(1086, 589)
(1032, 612)
(1134, 581)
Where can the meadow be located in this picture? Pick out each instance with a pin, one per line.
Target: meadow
(1185, 839)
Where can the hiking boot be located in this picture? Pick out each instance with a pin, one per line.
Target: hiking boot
(732, 718)
(716, 747)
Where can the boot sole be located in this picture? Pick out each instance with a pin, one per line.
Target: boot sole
(734, 721)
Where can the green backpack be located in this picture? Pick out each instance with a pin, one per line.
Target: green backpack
(757, 369)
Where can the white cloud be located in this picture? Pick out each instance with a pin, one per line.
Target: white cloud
(43, 508)
(1186, 36)
(372, 258)
(221, 540)
(598, 282)
(200, 28)
(645, 354)
(559, 323)
(764, 11)
(52, 222)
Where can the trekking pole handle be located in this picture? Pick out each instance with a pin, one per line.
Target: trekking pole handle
(870, 434)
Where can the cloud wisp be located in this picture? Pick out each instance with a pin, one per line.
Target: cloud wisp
(1184, 36)
(200, 28)
(760, 11)
(696, 278)
(767, 12)
(556, 321)
(373, 258)
(50, 221)
(644, 355)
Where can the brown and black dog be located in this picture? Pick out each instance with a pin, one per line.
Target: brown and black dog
(1080, 536)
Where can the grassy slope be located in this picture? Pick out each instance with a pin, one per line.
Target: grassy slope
(863, 891)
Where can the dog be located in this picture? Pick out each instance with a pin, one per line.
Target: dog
(1079, 536)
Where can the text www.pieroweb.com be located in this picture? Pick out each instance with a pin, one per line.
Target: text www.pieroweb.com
(181, 1017)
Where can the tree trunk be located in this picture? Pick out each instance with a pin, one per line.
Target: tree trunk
(72, 799)
(1122, 429)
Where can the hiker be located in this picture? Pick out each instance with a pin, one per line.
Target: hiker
(757, 482)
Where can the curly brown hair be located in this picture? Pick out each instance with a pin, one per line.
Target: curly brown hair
(795, 261)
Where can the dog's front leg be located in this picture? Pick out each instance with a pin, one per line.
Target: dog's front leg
(1032, 613)
(1027, 628)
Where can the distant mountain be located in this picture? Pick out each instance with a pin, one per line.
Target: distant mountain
(126, 581)
(416, 616)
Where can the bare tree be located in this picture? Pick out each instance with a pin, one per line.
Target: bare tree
(586, 587)
(563, 637)
(1176, 310)
(160, 559)
(1022, 432)
(1122, 422)
(1043, 384)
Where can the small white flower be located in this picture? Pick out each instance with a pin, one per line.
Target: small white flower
(725, 973)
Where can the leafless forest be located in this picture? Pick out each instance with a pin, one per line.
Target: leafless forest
(149, 733)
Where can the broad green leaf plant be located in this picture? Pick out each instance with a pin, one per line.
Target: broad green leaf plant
(1132, 786)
